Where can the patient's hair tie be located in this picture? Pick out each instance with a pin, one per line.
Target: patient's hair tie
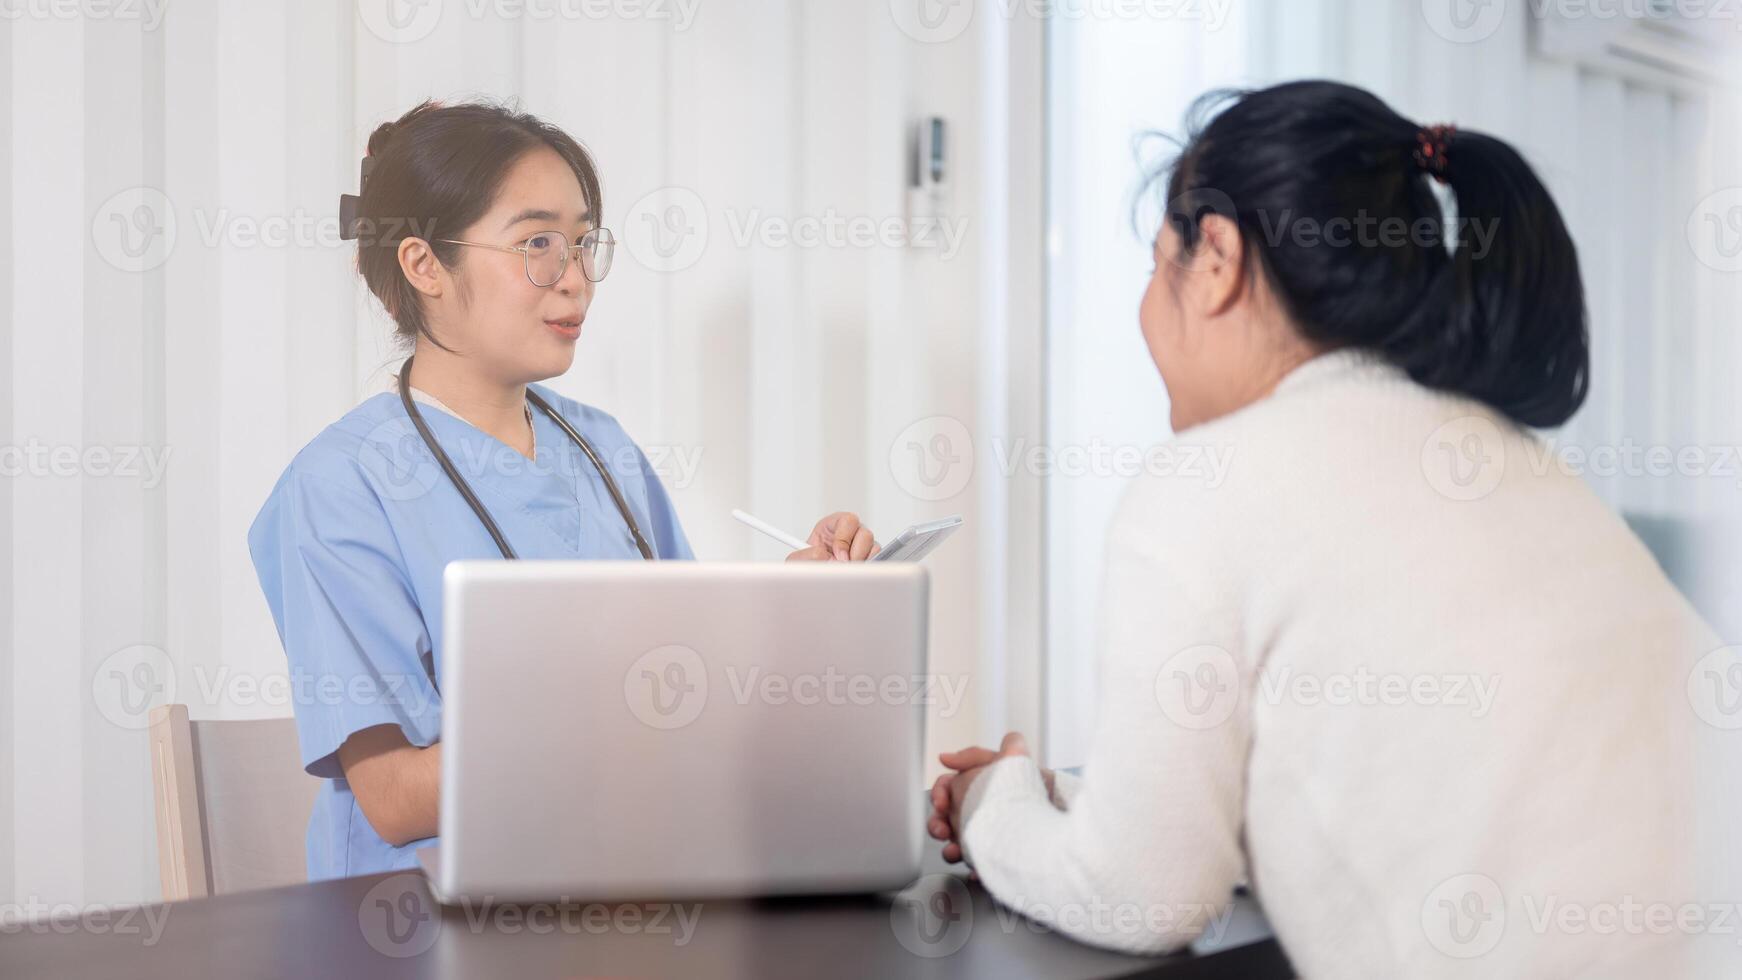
(1430, 149)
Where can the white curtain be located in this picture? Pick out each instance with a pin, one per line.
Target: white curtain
(173, 284)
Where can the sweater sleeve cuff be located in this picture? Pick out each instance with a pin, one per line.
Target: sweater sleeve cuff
(998, 788)
(1064, 788)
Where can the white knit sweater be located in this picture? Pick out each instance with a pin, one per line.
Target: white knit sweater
(1424, 690)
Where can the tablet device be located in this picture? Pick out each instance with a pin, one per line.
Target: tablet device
(919, 540)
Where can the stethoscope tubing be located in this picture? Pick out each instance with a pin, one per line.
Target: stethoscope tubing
(478, 508)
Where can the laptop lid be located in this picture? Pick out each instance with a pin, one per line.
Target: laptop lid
(622, 730)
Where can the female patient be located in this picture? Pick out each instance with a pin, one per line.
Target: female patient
(1420, 691)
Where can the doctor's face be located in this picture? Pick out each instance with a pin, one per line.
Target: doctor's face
(503, 324)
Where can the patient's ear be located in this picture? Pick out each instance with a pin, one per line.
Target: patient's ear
(1219, 265)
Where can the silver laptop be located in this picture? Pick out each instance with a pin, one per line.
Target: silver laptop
(665, 730)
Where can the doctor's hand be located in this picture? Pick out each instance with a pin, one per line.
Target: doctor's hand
(838, 537)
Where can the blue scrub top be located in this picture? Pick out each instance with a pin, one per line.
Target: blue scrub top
(350, 549)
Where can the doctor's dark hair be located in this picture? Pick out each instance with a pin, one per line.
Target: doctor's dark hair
(433, 172)
(1500, 318)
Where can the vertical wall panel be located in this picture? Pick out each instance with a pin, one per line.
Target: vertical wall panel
(49, 241)
(477, 48)
(836, 81)
(785, 404)
(1013, 557)
(1719, 293)
(193, 339)
(1682, 338)
(149, 577)
(1645, 304)
(1496, 72)
(1299, 36)
(8, 626)
(320, 267)
(1429, 87)
(1007, 238)
(706, 351)
(255, 73)
(1378, 35)
(1603, 254)
(891, 333)
(1726, 151)
(118, 509)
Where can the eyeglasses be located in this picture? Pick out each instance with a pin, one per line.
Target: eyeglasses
(547, 254)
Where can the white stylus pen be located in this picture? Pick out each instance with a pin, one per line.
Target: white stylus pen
(772, 531)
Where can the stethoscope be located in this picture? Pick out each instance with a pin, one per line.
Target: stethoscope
(472, 499)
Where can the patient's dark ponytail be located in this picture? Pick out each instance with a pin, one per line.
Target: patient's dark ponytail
(1332, 190)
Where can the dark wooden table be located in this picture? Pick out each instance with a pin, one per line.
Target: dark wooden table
(386, 926)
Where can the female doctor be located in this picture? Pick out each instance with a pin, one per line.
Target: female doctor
(478, 229)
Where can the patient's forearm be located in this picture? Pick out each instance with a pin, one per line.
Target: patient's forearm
(397, 784)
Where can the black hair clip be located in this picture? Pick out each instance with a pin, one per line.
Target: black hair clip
(351, 205)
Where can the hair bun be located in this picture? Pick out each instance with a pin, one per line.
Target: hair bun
(378, 140)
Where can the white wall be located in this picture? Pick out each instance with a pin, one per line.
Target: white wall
(1630, 164)
(790, 370)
